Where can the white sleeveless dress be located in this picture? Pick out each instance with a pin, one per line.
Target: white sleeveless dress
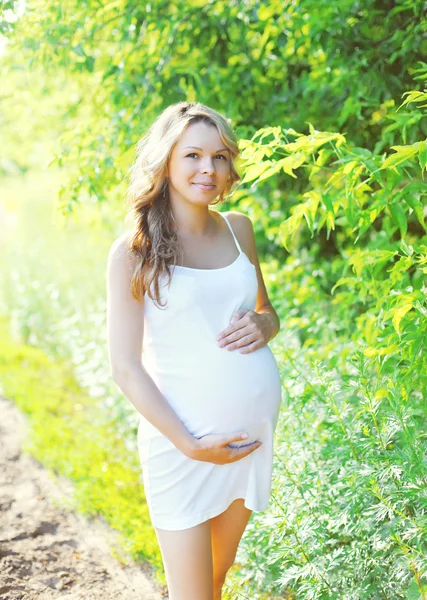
(212, 390)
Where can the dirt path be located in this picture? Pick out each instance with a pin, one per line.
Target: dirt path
(47, 551)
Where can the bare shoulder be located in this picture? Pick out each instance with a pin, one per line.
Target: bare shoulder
(244, 231)
(239, 218)
(119, 254)
(120, 244)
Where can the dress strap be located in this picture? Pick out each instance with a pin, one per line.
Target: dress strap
(232, 232)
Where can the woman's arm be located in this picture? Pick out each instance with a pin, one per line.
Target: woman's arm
(125, 324)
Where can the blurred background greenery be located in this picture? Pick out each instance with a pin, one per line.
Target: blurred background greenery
(328, 100)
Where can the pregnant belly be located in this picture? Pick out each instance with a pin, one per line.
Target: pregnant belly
(214, 390)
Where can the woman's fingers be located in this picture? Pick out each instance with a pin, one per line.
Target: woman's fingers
(245, 450)
(215, 448)
(236, 437)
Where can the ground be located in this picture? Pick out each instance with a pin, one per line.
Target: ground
(46, 550)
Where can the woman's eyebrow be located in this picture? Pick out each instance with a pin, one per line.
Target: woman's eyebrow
(198, 148)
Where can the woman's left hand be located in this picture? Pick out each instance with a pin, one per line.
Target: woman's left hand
(248, 331)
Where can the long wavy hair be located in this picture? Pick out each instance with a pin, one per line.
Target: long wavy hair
(153, 240)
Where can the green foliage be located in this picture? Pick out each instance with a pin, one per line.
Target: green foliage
(343, 65)
(349, 488)
(373, 200)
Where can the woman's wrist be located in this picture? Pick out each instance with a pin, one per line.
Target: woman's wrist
(273, 324)
(187, 445)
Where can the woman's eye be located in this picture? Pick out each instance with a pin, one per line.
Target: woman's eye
(220, 155)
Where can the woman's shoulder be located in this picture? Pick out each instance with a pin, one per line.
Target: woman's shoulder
(237, 217)
(123, 239)
(243, 230)
(119, 249)
(241, 224)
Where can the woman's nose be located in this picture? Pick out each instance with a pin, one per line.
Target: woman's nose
(207, 166)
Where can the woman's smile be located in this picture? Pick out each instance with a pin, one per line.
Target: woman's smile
(204, 186)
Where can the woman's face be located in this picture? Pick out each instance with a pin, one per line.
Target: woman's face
(198, 158)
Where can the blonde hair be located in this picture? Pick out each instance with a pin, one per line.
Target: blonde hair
(153, 241)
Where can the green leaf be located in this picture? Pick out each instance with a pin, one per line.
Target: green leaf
(399, 217)
(418, 208)
(256, 170)
(350, 281)
(422, 155)
(403, 153)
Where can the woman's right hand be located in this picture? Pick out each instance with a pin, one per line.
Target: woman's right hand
(214, 448)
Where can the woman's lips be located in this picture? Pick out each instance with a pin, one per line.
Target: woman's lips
(204, 187)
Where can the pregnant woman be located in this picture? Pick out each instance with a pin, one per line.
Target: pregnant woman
(189, 321)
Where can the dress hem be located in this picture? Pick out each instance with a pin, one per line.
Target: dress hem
(202, 517)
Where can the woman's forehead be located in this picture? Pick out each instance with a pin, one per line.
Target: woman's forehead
(201, 135)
